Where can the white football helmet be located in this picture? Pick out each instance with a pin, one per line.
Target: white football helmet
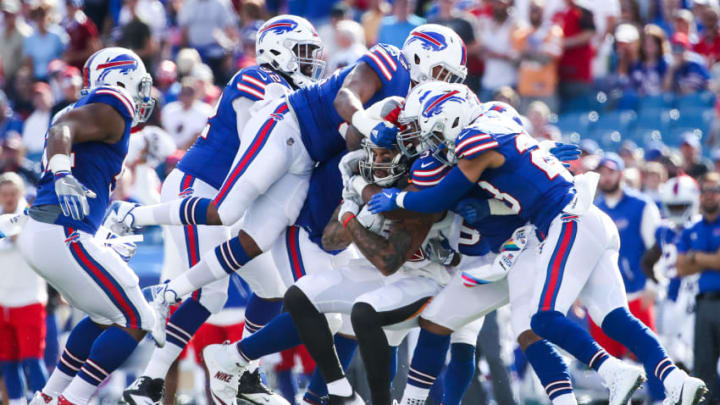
(382, 166)
(291, 45)
(409, 139)
(680, 198)
(445, 110)
(430, 46)
(120, 68)
(500, 118)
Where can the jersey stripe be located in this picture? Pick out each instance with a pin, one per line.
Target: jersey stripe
(556, 267)
(428, 173)
(426, 183)
(253, 81)
(380, 65)
(292, 243)
(119, 96)
(478, 148)
(382, 52)
(464, 142)
(251, 91)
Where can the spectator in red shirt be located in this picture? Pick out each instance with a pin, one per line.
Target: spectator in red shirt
(574, 68)
(709, 44)
(84, 36)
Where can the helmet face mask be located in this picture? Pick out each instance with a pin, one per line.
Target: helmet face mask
(291, 45)
(382, 166)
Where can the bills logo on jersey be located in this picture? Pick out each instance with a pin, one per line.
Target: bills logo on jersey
(280, 27)
(569, 218)
(186, 192)
(124, 63)
(430, 40)
(435, 104)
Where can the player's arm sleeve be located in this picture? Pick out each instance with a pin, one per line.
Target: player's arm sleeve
(649, 224)
(381, 60)
(440, 197)
(683, 244)
(427, 172)
(241, 105)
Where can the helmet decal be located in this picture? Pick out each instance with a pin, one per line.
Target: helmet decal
(280, 27)
(124, 63)
(435, 103)
(430, 40)
(463, 58)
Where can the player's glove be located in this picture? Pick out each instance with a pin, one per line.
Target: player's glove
(123, 245)
(119, 217)
(349, 164)
(374, 223)
(438, 250)
(348, 206)
(12, 224)
(72, 195)
(386, 200)
(565, 152)
(473, 210)
(384, 134)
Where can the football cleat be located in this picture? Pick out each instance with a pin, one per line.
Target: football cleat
(354, 399)
(690, 392)
(144, 391)
(251, 389)
(41, 398)
(224, 373)
(623, 382)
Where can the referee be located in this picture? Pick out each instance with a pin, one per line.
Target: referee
(699, 253)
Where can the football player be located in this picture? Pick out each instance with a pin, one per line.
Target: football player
(494, 158)
(84, 152)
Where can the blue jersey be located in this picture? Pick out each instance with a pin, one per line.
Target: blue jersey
(531, 181)
(476, 240)
(324, 195)
(94, 164)
(627, 215)
(313, 105)
(666, 237)
(210, 157)
(703, 236)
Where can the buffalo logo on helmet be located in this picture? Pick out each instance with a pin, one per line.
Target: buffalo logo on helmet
(435, 103)
(124, 63)
(279, 27)
(432, 41)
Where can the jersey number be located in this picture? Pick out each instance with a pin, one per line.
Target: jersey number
(509, 200)
(541, 159)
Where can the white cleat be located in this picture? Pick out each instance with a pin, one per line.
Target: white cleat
(623, 383)
(690, 392)
(224, 373)
(40, 398)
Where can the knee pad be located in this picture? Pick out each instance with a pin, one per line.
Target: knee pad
(544, 323)
(335, 322)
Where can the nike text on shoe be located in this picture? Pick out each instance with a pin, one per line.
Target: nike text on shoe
(251, 389)
(224, 373)
(144, 391)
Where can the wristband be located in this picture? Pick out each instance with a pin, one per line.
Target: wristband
(363, 123)
(358, 184)
(60, 163)
(345, 222)
(400, 199)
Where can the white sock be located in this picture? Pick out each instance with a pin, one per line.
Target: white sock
(341, 388)
(79, 391)
(167, 213)
(608, 367)
(57, 383)
(565, 399)
(17, 401)
(207, 270)
(161, 361)
(414, 395)
(675, 378)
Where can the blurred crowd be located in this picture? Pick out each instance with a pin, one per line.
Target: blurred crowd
(634, 77)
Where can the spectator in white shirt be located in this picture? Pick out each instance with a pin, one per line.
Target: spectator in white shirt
(38, 122)
(23, 295)
(185, 119)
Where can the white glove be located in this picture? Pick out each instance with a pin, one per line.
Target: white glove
(119, 218)
(374, 223)
(438, 250)
(12, 224)
(72, 195)
(124, 246)
(348, 206)
(349, 165)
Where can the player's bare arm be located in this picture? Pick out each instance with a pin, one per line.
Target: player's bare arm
(648, 261)
(357, 89)
(334, 236)
(96, 122)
